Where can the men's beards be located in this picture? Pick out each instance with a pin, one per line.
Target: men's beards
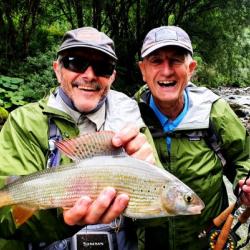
(94, 87)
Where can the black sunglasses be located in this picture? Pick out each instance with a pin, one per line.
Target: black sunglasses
(79, 65)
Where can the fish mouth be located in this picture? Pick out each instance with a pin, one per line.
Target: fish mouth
(197, 206)
(196, 209)
(166, 84)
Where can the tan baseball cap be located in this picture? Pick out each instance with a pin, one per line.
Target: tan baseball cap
(165, 36)
(88, 37)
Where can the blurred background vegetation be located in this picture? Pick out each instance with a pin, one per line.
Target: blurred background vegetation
(31, 31)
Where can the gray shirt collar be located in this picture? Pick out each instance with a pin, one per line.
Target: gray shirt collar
(95, 120)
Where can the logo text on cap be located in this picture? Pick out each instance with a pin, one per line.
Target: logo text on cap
(162, 35)
(88, 36)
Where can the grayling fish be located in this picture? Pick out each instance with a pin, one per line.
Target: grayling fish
(153, 191)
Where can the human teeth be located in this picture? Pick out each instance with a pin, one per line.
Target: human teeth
(94, 86)
(85, 88)
(166, 83)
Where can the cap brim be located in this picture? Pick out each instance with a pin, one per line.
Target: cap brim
(161, 45)
(77, 45)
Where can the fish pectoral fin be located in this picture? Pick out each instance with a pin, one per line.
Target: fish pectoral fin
(22, 213)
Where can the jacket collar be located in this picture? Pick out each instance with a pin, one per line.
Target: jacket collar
(200, 104)
(54, 105)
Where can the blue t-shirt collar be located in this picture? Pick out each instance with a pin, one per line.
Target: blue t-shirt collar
(165, 122)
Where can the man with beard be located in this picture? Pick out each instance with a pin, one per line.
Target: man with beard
(83, 103)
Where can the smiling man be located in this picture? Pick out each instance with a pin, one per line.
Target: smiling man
(82, 103)
(179, 114)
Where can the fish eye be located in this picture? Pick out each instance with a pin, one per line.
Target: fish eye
(188, 197)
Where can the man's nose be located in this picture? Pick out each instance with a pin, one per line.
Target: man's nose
(167, 68)
(89, 73)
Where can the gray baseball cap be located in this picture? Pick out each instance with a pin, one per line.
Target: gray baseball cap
(165, 36)
(88, 37)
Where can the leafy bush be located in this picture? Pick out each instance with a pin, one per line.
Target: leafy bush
(38, 74)
(31, 81)
(11, 92)
(207, 75)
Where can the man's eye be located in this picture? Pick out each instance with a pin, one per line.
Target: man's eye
(156, 61)
(176, 61)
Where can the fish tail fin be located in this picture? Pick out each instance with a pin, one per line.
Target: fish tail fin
(22, 213)
(5, 199)
(88, 145)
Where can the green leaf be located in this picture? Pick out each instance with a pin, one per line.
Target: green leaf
(2, 90)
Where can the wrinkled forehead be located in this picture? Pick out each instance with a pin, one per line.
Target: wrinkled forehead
(171, 50)
(87, 53)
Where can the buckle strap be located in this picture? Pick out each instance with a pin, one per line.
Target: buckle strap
(54, 154)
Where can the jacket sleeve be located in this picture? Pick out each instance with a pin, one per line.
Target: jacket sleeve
(3, 116)
(234, 140)
(23, 143)
(20, 154)
(149, 137)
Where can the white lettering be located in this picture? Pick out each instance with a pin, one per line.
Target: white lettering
(87, 244)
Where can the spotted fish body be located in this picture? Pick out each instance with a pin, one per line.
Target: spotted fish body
(153, 191)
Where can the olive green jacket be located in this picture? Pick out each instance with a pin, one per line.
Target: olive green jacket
(24, 150)
(3, 116)
(193, 162)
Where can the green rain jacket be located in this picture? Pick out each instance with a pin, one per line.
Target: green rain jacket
(3, 116)
(193, 162)
(24, 150)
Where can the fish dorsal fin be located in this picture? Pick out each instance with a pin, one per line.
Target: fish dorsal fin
(89, 145)
(11, 179)
(22, 213)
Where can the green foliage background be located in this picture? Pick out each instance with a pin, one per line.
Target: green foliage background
(31, 31)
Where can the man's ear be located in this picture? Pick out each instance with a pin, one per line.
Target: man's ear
(192, 66)
(112, 77)
(141, 65)
(56, 67)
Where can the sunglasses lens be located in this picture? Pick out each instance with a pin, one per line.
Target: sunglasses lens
(75, 64)
(103, 68)
(79, 65)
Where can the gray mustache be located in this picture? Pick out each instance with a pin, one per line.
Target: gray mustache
(94, 85)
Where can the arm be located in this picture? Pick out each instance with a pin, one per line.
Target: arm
(23, 143)
(236, 145)
(20, 154)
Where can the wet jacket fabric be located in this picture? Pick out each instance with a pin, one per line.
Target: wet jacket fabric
(3, 116)
(196, 164)
(24, 150)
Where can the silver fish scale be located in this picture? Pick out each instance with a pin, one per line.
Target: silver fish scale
(62, 186)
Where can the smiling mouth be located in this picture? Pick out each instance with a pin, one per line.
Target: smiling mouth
(87, 87)
(167, 83)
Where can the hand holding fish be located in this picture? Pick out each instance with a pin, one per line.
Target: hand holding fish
(108, 206)
(104, 209)
(134, 143)
(245, 197)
